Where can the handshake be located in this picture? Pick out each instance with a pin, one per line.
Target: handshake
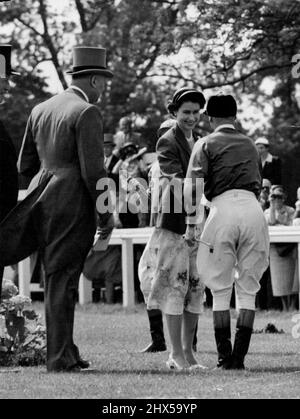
(193, 234)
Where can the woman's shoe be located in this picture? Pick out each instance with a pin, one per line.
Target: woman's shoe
(173, 365)
(197, 367)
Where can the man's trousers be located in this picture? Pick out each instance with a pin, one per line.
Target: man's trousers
(61, 290)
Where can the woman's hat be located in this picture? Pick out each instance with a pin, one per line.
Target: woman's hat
(109, 139)
(5, 65)
(185, 94)
(221, 106)
(88, 60)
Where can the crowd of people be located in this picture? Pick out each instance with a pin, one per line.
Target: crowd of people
(228, 190)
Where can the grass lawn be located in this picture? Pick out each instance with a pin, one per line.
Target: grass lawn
(110, 337)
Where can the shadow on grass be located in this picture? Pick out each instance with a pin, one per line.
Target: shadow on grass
(278, 370)
(94, 371)
(253, 353)
(279, 354)
(210, 372)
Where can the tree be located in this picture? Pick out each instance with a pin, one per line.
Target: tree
(232, 44)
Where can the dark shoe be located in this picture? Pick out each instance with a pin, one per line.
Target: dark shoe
(74, 368)
(236, 365)
(155, 347)
(83, 364)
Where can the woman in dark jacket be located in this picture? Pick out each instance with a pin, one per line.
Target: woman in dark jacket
(175, 287)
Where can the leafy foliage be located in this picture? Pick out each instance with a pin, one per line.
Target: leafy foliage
(22, 337)
(232, 45)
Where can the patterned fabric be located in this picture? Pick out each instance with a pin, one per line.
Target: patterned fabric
(168, 274)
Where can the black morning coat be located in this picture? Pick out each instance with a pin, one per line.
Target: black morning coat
(8, 174)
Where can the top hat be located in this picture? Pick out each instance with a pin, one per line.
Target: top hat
(109, 139)
(88, 60)
(185, 93)
(221, 106)
(5, 66)
(262, 141)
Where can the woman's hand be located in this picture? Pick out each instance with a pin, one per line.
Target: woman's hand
(189, 235)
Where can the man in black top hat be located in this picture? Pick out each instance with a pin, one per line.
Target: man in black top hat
(235, 235)
(8, 158)
(62, 152)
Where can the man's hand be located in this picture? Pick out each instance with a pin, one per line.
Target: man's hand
(189, 235)
(105, 230)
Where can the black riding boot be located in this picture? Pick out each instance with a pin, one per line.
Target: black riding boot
(244, 327)
(158, 343)
(223, 337)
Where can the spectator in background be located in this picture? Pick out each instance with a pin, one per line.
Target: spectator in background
(131, 169)
(264, 194)
(110, 159)
(125, 134)
(130, 166)
(8, 158)
(296, 220)
(264, 298)
(271, 165)
(282, 256)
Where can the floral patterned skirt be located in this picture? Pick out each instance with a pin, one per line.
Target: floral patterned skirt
(168, 274)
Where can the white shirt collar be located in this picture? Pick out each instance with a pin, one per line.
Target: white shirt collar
(224, 126)
(81, 91)
(269, 158)
(107, 160)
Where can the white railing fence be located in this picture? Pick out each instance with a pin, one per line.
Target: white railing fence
(127, 238)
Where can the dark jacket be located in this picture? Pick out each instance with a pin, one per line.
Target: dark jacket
(115, 176)
(227, 160)
(272, 171)
(173, 154)
(8, 174)
(63, 147)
